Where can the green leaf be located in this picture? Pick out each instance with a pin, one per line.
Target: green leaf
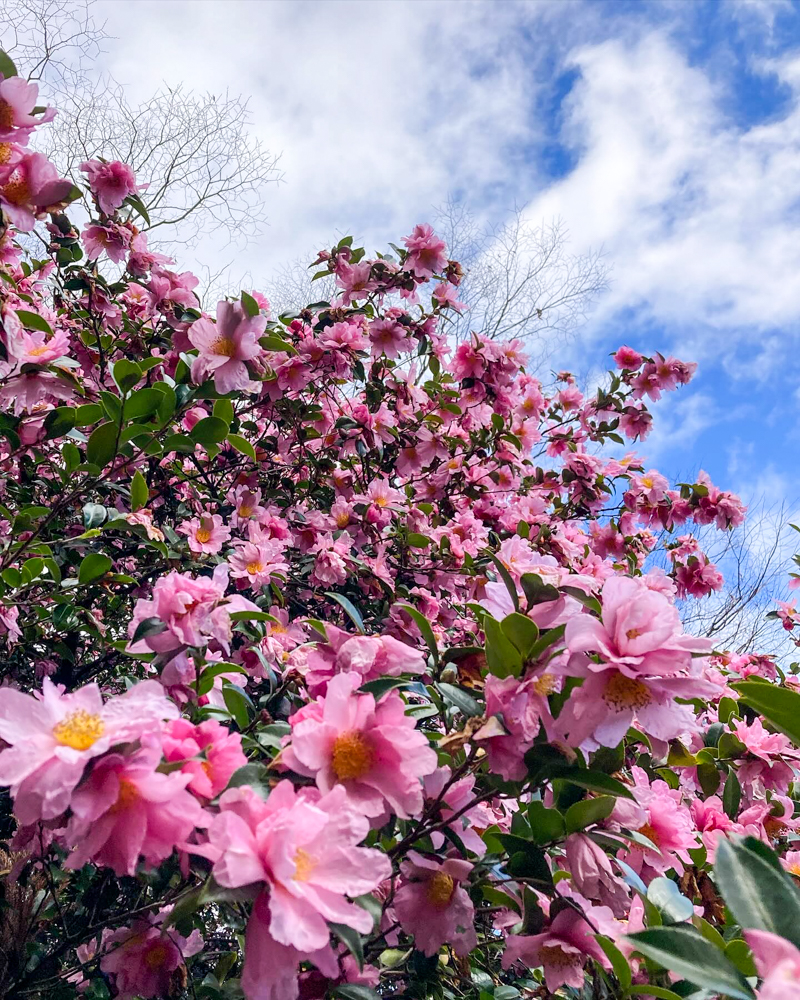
(93, 567)
(249, 303)
(379, 687)
(59, 422)
(583, 814)
(660, 992)
(137, 205)
(254, 776)
(126, 374)
(502, 656)
(102, 445)
(7, 67)
(33, 321)
(209, 430)
(505, 576)
(709, 777)
(238, 704)
(242, 445)
(140, 494)
(536, 590)
(252, 616)
(592, 781)
(87, 414)
(739, 953)
(425, 629)
(758, 895)
(684, 951)
(351, 940)
(272, 343)
(354, 992)
(672, 904)
(206, 680)
(732, 795)
(349, 609)
(180, 443)
(142, 404)
(619, 963)
(417, 541)
(778, 704)
(462, 701)
(525, 859)
(547, 825)
(521, 631)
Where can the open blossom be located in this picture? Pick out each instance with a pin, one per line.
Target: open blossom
(373, 749)
(302, 847)
(32, 188)
(371, 656)
(110, 183)
(193, 611)
(639, 633)
(563, 948)
(777, 963)
(111, 239)
(18, 102)
(142, 958)
(126, 809)
(593, 876)
(433, 906)
(426, 252)
(519, 705)
(207, 533)
(219, 748)
(54, 736)
(258, 562)
(225, 346)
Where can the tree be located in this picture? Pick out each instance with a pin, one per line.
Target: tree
(317, 682)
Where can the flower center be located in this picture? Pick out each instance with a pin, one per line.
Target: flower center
(203, 535)
(546, 684)
(650, 832)
(6, 114)
(156, 957)
(255, 567)
(634, 633)
(625, 693)
(342, 520)
(127, 795)
(79, 730)
(352, 756)
(440, 890)
(380, 501)
(224, 346)
(5, 152)
(553, 957)
(17, 191)
(304, 865)
(245, 510)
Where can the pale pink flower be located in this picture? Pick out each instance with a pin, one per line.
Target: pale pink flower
(110, 183)
(426, 252)
(225, 346)
(17, 105)
(778, 964)
(54, 736)
(303, 847)
(207, 533)
(32, 188)
(112, 239)
(371, 656)
(373, 749)
(34, 347)
(258, 562)
(330, 564)
(520, 706)
(593, 876)
(432, 905)
(220, 749)
(126, 808)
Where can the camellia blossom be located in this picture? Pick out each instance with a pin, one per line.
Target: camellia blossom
(18, 100)
(226, 345)
(126, 808)
(426, 252)
(373, 749)
(32, 188)
(207, 533)
(111, 183)
(433, 906)
(220, 749)
(55, 735)
(778, 964)
(372, 656)
(302, 847)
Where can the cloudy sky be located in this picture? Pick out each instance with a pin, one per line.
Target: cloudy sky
(667, 134)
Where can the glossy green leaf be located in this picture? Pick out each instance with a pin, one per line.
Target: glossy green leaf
(140, 494)
(102, 445)
(93, 567)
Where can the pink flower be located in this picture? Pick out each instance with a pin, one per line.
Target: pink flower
(426, 252)
(639, 633)
(330, 564)
(258, 562)
(17, 105)
(432, 905)
(125, 808)
(371, 656)
(114, 240)
(562, 950)
(446, 295)
(224, 347)
(303, 847)
(110, 183)
(778, 965)
(34, 347)
(373, 750)
(142, 958)
(54, 736)
(220, 748)
(626, 357)
(519, 704)
(593, 876)
(32, 188)
(207, 533)
(193, 610)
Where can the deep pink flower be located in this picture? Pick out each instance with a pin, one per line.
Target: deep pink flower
(373, 750)
(17, 103)
(54, 736)
(142, 958)
(426, 252)
(32, 188)
(226, 345)
(220, 749)
(593, 876)
(125, 808)
(626, 357)
(433, 906)
(110, 183)
(371, 656)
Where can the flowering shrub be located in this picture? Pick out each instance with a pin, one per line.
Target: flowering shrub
(335, 664)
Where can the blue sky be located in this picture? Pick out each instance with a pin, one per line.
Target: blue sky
(667, 133)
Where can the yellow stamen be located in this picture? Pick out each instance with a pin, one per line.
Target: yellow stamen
(156, 957)
(128, 794)
(224, 346)
(203, 535)
(352, 756)
(625, 693)
(255, 567)
(304, 865)
(440, 889)
(79, 730)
